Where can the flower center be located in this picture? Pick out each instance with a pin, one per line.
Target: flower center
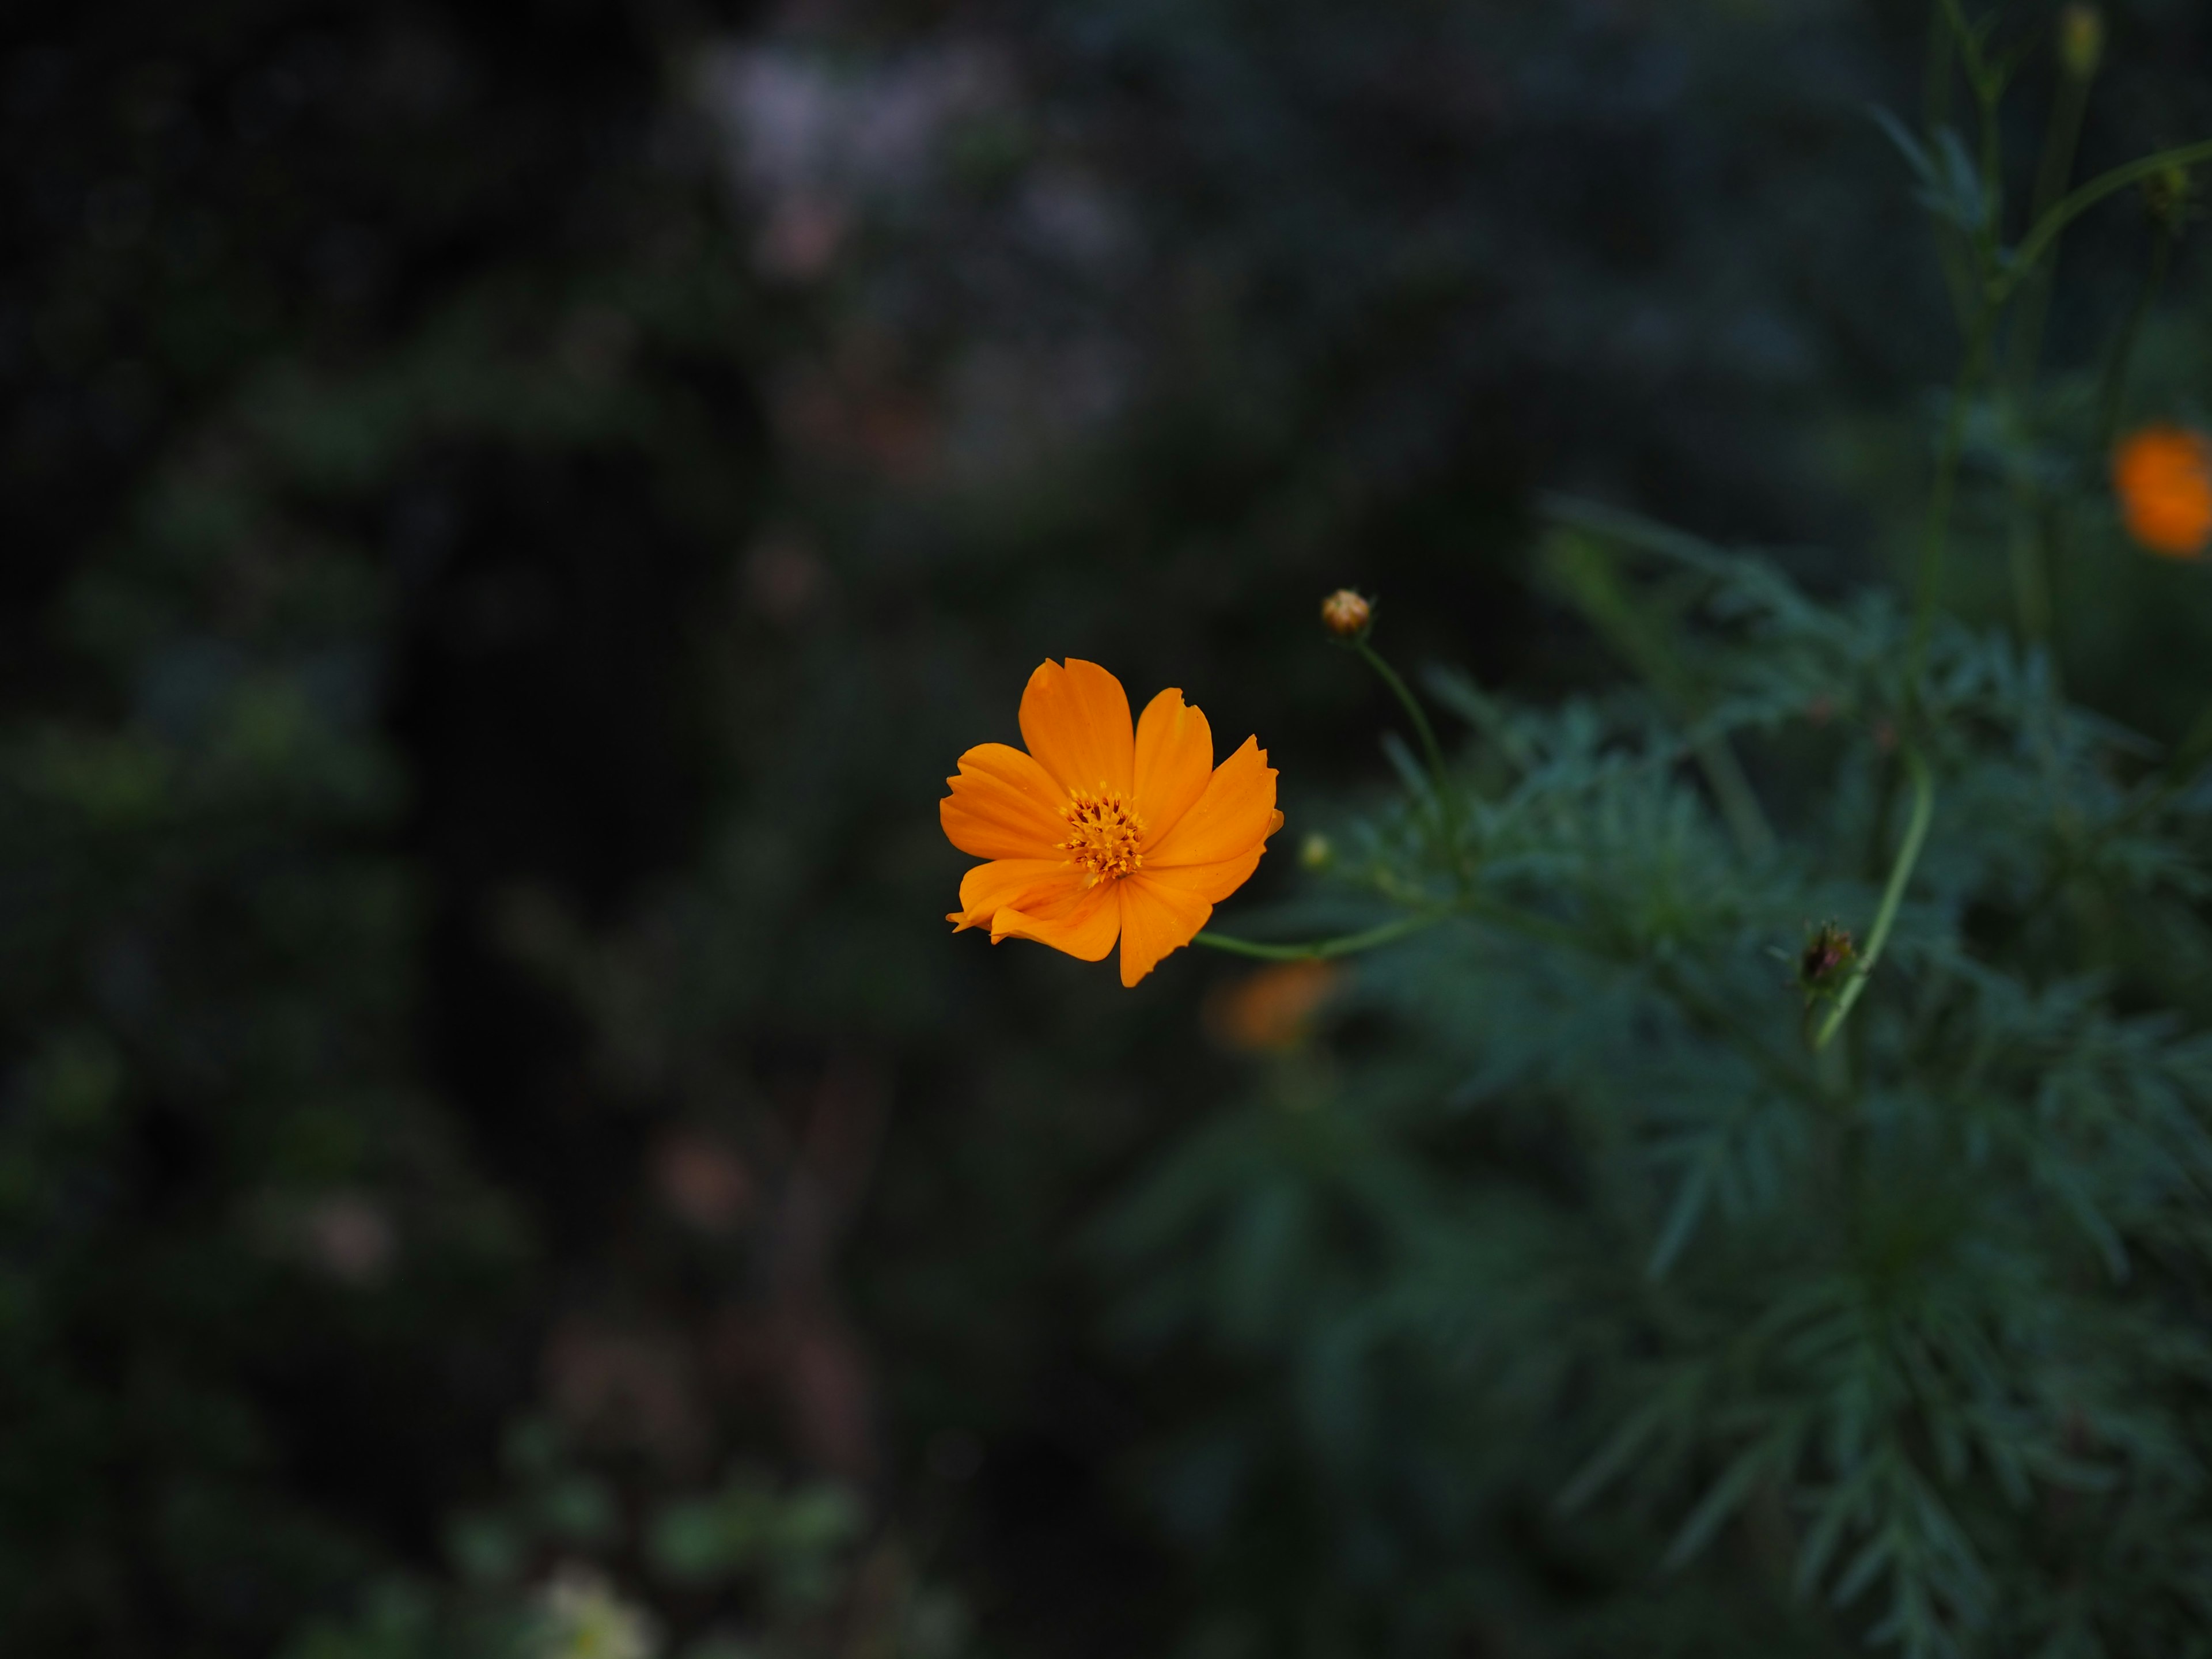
(1104, 834)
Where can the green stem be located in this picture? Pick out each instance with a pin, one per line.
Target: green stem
(2073, 205)
(2030, 580)
(1318, 950)
(1987, 94)
(2060, 142)
(2123, 347)
(1935, 90)
(1901, 875)
(1935, 115)
(1987, 83)
(1431, 749)
(1937, 541)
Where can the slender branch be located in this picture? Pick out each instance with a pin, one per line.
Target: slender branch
(1969, 39)
(1938, 538)
(1935, 114)
(1431, 749)
(1936, 89)
(2052, 174)
(2115, 389)
(1344, 944)
(1901, 875)
(2077, 203)
(1992, 232)
(2031, 578)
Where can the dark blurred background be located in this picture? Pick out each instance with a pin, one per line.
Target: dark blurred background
(511, 513)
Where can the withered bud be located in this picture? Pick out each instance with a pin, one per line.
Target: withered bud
(1827, 958)
(1347, 614)
(2081, 40)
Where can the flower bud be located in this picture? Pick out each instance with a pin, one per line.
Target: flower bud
(1347, 614)
(2081, 40)
(1316, 852)
(1826, 961)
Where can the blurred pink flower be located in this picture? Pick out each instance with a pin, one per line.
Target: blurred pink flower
(348, 1237)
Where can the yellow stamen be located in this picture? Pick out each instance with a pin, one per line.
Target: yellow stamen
(1105, 835)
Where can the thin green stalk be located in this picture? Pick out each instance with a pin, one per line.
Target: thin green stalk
(1935, 115)
(1344, 944)
(2074, 204)
(1986, 96)
(2027, 541)
(1969, 40)
(1987, 82)
(2056, 170)
(1901, 875)
(1935, 87)
(2123, 347)
(1936, 542)
(1981, 329)
(1431, 748)
(2031, 579)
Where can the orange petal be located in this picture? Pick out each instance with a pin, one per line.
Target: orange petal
(1175, 758)
(1236, 814)
(1076, 722)
(1014, 884)
(1083, 924)
(1156, 919)
(1211, 882)
(1003, 805)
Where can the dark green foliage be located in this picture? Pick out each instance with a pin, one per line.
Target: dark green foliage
(490, 1114)
(1911, 1330)
(1598, 1261)
(206, 969)
(261, 1315)
(1852, 1323)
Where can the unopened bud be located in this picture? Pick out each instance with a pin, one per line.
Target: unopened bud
(1345, 614)
(1825, 960)
(2081, 40)
(1316, 852)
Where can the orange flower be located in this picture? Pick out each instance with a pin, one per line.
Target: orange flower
(1099, 832)
(2163, 475)
(1271, 1010)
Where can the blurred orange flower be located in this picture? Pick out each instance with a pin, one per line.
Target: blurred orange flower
(1102, 831)
(2163, 476)
(1271, 1011)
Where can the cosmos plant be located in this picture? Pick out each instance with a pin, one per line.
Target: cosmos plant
(1762, 1177)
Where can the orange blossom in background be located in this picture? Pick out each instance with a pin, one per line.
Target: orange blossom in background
(1271, 1010)
(2163, 476)
(1101, 832)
